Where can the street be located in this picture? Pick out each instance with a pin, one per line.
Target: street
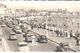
(44, 47)
(50, 46)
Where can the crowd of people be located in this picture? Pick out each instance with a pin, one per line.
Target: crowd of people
(69, 34)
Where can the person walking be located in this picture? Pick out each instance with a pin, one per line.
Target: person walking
(71, 34)
(61, 33)
(77, 42)
(57, 32)
(31, 27)
(66, 33)
(77, 34)
(77, 38)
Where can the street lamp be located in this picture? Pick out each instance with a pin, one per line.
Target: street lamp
(46, 26)
(78, 22)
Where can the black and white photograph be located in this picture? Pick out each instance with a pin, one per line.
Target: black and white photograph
(40, 26)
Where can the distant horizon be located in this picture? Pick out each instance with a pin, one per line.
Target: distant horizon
(47, 5)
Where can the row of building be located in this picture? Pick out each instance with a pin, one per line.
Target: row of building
(55, 13)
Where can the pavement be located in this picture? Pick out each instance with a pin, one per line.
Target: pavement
(1, 48)
(4, 46)
(12, 44)
(57, 40)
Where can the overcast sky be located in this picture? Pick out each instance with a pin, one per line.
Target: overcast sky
(70, 5)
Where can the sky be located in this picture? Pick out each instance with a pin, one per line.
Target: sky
(43, 5)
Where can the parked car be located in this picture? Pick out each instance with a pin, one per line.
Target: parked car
(17, 29)
(28, 38)
(9, 24)
(20, 44)
(63, 47)
(13, 37)
(3, 25)
(24, 30)
(59, 49)
(42, 39)
(0, 41)
(43, 26)
(12, 23)
(23, 46)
